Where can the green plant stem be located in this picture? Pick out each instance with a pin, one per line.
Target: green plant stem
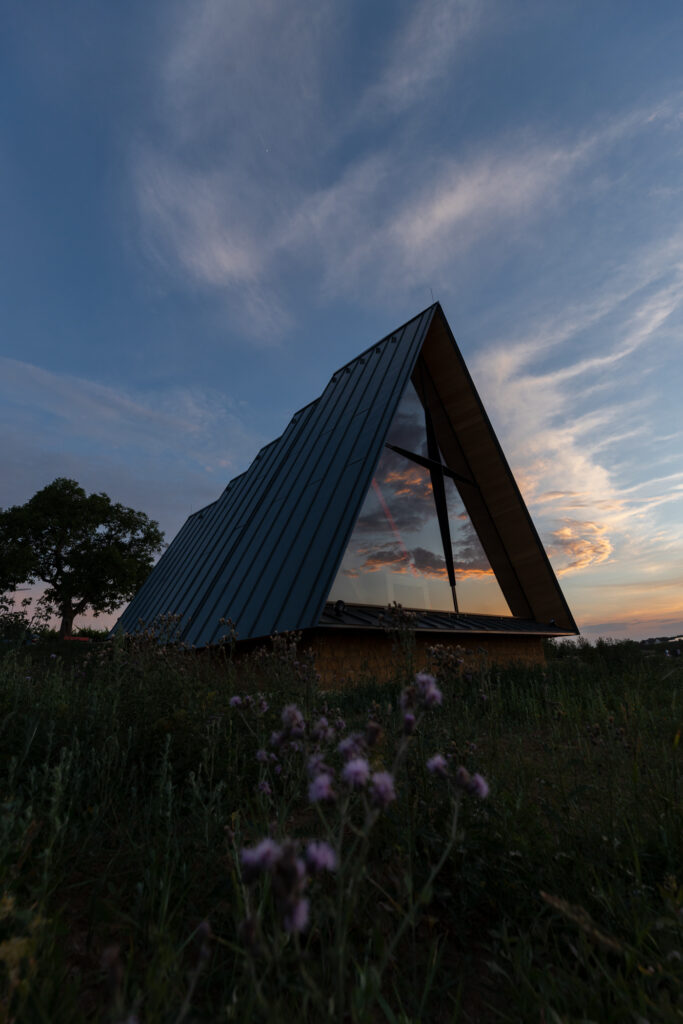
(409, 919)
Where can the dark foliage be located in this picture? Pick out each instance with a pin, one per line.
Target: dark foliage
(91, 552)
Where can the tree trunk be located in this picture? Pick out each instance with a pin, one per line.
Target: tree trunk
(67, 626)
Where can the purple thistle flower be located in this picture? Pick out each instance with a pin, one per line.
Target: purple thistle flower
(321, 788)
(235, 702)
(350, 746)
(275, 739)
(479, 786)
(320, 857)
(382, 789)
(423, 679)
(262, 857)
(293, 721)
(356, 772)
(429, 693)
(264, 787)
(407, 698)
(475, 784)
(296, 916)
(322, 731)
(438, 765)
(316, 766)
(409, 723)
(262, 756)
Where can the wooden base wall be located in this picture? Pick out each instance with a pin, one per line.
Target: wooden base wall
(349, 658)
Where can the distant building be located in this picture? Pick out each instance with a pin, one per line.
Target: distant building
(389, 487)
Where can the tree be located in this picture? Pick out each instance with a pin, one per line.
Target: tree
(90, 552)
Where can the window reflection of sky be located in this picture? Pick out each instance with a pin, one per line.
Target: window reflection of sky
(395, 552)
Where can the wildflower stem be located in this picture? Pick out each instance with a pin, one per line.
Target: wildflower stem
(409, 919)
(247, 725)
(404, 745)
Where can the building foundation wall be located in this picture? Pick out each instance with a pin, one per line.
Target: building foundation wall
(347, 658)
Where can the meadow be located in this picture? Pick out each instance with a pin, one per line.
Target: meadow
(185, 838)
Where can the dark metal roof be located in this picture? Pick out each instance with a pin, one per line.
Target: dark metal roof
(265, 554)
(338, 615)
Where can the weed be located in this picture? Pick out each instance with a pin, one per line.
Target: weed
(185, 837)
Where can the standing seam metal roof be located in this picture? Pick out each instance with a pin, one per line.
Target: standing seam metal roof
(266, 553)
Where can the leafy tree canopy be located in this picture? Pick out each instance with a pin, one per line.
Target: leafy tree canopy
(90, 552)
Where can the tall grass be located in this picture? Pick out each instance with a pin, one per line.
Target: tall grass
(133, 782)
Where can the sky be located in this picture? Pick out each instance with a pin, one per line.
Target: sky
(208, 207)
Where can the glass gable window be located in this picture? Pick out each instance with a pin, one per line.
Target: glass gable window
(397, 548)
(395, 551)
(477, 586)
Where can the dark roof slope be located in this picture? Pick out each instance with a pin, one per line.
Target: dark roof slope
(266, 553)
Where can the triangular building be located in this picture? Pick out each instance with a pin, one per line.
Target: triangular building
(389, 487)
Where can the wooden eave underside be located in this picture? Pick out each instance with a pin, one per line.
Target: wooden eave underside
(493, 500)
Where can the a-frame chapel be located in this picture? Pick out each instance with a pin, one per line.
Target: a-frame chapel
(389, 487)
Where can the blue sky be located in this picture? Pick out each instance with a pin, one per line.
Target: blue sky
(207, 207)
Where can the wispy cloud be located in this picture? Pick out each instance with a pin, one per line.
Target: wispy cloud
(589, 511)
(419, 55)
(580, 544)
(146, 419)
(235, 216)
(53, 423)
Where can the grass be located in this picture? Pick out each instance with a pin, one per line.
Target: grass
(130, 786)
